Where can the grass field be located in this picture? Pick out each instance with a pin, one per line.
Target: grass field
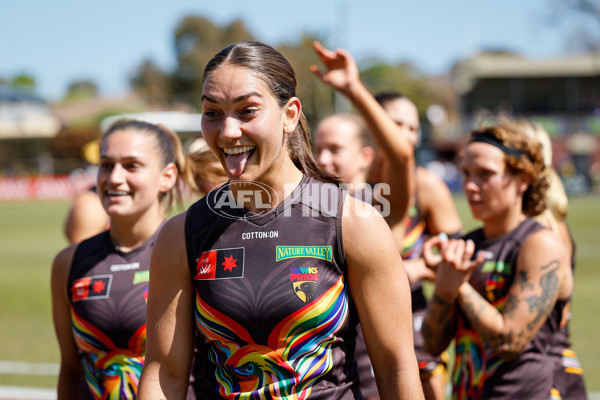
(31, 234)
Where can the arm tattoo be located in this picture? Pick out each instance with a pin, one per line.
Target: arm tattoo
(438, 325)
(543, 303)
(523, 280)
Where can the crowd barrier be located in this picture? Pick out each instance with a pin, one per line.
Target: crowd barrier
(43, 187)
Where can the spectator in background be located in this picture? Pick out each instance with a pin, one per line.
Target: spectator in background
(99, 286)
(502, 307)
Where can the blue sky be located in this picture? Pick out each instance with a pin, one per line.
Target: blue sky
(58, 41)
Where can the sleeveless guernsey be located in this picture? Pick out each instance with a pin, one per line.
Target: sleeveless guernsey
(568, 372)
(479, 373)
(108, 291)
(272, 304)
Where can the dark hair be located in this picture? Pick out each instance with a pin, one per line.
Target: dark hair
(275, 71)
(391, 95)
(168, 146)
(526, 158)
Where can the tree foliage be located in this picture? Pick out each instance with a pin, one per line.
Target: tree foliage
(24, 82)
(152, 83)
(81, 89)
(197, 40)
(585, 32)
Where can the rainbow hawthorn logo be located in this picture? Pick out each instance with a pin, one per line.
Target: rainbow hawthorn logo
(304, 281)
(286, 252)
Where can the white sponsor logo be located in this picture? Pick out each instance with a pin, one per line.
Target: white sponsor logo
(124, 267)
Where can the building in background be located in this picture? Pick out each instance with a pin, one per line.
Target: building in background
(562, 94)
(24, 115)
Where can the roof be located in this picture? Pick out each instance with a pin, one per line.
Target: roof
(177, 121)
(504, 65)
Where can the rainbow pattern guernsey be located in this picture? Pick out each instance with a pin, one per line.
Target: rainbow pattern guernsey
(108, 292)
(272, 307)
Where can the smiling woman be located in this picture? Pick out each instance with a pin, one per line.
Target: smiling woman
(99, 286)
(275, 306)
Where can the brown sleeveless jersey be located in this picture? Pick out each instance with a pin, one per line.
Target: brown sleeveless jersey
(272, 303)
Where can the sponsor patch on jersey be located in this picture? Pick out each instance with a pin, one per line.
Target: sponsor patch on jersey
(141, 277)
(496, 266)
(91, 288)
(304, 282)
(124, 267)
(220, 264)
(286, 252)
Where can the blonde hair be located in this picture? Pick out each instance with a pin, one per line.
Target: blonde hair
(555, 196)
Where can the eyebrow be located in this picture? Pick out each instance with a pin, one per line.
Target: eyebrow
(236, 100)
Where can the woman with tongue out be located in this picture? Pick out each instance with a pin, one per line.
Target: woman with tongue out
(238, 274)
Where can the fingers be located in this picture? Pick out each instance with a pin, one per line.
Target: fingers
(433, 248)
(458, 253)
(315, 70)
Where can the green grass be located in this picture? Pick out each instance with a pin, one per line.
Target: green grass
(31, 234)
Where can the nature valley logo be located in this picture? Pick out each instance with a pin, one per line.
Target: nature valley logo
(305, 281)
(320, 252)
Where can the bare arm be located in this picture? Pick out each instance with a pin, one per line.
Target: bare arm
(437, 204)
(380, 290)
(169, 317)
(71, 380)
(540, 277)
(342, 75)
(86, 218)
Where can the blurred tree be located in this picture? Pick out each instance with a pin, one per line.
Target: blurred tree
(317, 98)
(24, 82)
(585, 31)
(81, 89)
(151, 82)
(404, 78)
(197, 40)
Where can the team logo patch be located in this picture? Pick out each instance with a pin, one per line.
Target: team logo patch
(141, 277)
(220, 264)
(91, 288)
(304, 282)
(320, 252)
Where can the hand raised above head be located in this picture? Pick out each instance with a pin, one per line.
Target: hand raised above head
(342, 70)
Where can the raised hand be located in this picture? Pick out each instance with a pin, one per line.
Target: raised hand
(341, 72)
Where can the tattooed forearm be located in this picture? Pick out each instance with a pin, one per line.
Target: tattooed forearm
(505, 342)
(438, 325)
(543, 303)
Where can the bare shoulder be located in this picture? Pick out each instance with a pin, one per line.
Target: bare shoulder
(62, 265)
(544, 242)
(169, 253)
(173, 231)
(363, 228)
(429, 182)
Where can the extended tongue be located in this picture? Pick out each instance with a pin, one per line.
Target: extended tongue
(237, 162)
